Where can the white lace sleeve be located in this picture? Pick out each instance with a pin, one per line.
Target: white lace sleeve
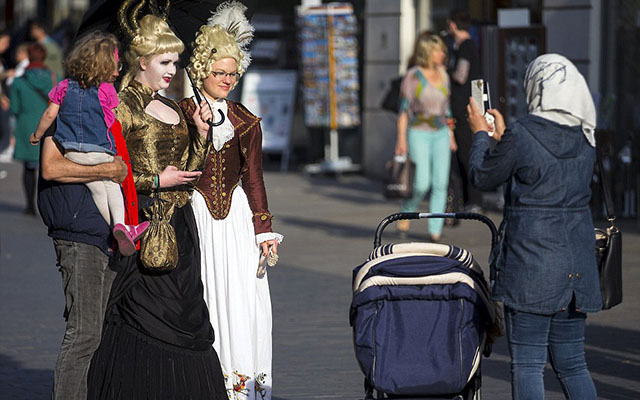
(261, 237)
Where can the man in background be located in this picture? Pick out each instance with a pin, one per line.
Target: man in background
(464, 66)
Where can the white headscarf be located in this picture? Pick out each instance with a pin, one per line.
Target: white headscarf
(558, 92)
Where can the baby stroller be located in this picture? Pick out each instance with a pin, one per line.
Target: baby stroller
(421, 314)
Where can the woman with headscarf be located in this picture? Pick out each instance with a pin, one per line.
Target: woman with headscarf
(546, 270)
(157, 339)
(231, 211)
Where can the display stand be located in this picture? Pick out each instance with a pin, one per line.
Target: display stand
(330, 76)
(270, 94)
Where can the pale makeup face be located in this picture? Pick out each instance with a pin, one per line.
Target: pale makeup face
(157, 72)
(218, 87)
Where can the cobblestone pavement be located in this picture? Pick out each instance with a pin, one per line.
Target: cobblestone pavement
(328, 225)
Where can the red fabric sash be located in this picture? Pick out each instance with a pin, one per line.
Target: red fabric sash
(128, 187)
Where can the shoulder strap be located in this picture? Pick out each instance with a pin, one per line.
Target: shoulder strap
(604, 186)
(38, 91)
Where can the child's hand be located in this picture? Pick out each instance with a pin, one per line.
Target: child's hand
(33, 139)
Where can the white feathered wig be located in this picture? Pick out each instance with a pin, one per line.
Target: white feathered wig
(226, 35)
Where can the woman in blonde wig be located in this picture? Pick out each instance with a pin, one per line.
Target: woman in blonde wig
(233, 221)
(157, 340)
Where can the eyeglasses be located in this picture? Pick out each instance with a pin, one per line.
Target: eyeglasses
(221, 74)
(119, 66)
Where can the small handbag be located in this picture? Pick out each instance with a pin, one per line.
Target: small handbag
(159, 246)
(398, 183)
(609, 250)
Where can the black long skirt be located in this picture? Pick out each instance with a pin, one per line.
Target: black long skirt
(157, 339)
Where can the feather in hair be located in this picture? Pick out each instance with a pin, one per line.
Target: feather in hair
(230, 16)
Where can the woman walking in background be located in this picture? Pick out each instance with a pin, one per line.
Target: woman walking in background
(546, 269)
(424, 129)
(29, 98)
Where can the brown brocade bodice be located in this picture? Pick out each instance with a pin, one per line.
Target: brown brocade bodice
(239, 160)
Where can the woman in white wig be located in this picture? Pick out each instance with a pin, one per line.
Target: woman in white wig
(230, 205)
(546, 270)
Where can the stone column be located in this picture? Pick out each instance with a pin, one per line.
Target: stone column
(388, 43)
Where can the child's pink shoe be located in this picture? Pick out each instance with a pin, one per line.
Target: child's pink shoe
(137, 231)
(128, 235)
(123, 237)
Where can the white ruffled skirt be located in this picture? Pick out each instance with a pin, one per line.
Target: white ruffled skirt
(239, 302)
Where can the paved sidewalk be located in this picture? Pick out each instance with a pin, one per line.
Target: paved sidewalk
(328, 226)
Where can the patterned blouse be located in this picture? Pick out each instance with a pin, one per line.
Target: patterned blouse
(427, 105)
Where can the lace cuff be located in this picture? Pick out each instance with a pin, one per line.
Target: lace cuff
(261, 237)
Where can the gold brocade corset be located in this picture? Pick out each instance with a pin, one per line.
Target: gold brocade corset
(153, 145)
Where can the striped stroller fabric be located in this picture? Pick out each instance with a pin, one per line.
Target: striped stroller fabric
(427, 249)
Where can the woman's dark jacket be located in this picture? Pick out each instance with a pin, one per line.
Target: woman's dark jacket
(546, 251)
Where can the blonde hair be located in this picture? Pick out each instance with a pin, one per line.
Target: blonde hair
(212, 44)
(93, 59)
(153, 37)
(426, 43)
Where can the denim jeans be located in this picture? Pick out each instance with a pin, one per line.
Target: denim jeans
(561, 334)
(86, 280)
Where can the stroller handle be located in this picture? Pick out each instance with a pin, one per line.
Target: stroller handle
(415, 215)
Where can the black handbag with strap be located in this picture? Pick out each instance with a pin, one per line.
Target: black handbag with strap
(608, 249)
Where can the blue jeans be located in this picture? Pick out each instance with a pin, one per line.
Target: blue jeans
(86, 280)
(431, 153)
(561, 334)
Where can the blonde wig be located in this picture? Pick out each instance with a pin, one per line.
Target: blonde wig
(426, 43)
(152, 37)
(226, 35)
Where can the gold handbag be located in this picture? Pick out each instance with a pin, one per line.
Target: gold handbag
(159, 247)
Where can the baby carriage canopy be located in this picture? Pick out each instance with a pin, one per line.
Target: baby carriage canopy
(420, 315)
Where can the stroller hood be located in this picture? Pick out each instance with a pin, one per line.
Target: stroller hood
(420, 314)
